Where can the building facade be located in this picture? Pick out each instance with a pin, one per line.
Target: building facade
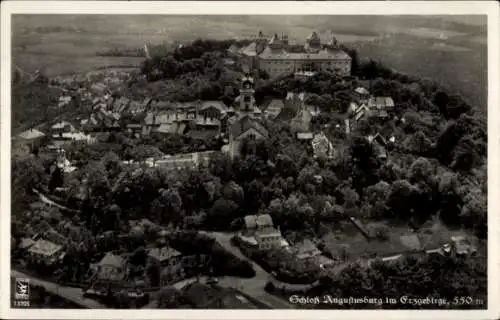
(279, 57)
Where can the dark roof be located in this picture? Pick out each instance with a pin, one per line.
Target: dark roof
(199, 294)
(244, 124)
(204, 296)
(202, 134)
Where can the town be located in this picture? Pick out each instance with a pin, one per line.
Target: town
(233, 174)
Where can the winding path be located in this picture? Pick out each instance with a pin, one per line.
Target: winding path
(253, 286)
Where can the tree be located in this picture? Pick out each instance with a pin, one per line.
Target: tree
(221, 166)
(222, 213)
(169, 67)
(421, 170)
(139, 257)
(170, 298)
(474, 212)
(97, 183)
(450, 200)
(399, 199)
(234, 192)
(168, 205)
(56, 179)
(153, 271)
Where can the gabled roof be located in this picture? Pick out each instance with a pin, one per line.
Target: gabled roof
(377, 138)
(199, 294)
(361, 90)
(244, 124)
(305, 135)
(61, 125)
(113, 260)
(306, 247)
(216, 104)
(321, 145)
(31, 134)
(233, 48)
(380, 102)
(163, 253)
(250, 50)
(261, 221)
(44, 247)
(26, 243)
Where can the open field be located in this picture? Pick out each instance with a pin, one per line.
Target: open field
(431, 237)
(450, 49)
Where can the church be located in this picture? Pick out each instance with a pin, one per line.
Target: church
(245, 123)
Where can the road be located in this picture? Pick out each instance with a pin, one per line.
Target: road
(253, 286)
(74, 295)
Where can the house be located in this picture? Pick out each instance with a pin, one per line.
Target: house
(212, 109)
(260, 231)
(462, 246)
(164, 256)
(257, 222)
(306, 249)
(302, 122)
(184, 161)
(361, 94)
(273, 109)
(67, 137)
(380, 106)
(268, 238)
(169, 261)
(43, 251)
(322, 147)
(112, 267)
(62, 127)
(357, 113)
(306, 136)
(379, 145)
(64, 101)
(307, 253)
(29, 140)
(243, 128)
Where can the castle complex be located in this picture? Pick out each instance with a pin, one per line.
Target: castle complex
(277, 56)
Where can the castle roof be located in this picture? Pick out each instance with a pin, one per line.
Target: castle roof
(313, 36)
(320, 55)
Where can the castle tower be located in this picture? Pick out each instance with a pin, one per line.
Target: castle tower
(284, 38)
(275, 43)
(313, 42)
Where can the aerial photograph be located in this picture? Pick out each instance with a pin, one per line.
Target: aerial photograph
(248, 162)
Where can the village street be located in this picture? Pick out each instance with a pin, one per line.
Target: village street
(252, 286)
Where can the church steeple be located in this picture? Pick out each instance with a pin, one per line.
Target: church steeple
(247, 90)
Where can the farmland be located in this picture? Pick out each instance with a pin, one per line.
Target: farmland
(451, 51)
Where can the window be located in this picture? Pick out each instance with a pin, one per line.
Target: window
(246, 99)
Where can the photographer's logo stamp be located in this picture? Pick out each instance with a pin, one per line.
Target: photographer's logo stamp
(22, 293)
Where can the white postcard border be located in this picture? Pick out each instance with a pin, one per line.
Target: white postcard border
(489, 8)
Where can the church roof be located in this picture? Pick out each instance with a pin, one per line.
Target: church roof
(244, 124)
